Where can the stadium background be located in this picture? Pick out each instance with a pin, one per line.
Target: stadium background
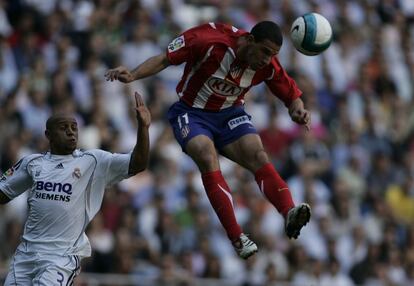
(355, 167)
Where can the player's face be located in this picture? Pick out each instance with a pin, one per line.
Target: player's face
(260, 54)
(63, 137)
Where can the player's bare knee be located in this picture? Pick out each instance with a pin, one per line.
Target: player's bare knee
(260, 158)
(204, 155)
(207, 161)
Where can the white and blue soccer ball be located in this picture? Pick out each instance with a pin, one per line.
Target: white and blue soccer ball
(311, 34)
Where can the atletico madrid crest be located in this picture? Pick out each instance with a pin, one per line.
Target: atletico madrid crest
(185, 131)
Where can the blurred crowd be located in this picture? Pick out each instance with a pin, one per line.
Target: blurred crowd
(355, 167)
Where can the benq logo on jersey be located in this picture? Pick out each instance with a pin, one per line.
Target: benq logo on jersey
(53, 187)
(239, 121)
(224, 88)
(176, 44)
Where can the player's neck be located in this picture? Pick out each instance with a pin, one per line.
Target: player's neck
(60, 152)
(241, 53)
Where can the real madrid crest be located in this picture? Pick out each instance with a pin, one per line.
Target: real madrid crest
(76, 173)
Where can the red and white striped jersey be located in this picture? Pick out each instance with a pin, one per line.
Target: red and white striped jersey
(214, 79)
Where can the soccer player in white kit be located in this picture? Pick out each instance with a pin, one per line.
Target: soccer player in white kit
(66, 187)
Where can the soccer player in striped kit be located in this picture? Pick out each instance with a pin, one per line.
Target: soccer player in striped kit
(222, 64)
(66, 187)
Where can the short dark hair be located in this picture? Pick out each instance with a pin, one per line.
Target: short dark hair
(267, 30)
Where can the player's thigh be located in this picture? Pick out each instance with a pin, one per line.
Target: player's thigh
(61, 271)
(247, 151)
(17, 277)
(202, 150)
(21, 270)
(193, 130)
(187, 124)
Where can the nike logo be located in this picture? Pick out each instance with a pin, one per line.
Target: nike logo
(282, 189)
(295, 28)
(227, 194)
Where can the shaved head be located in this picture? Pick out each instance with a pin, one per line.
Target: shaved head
(62, 133)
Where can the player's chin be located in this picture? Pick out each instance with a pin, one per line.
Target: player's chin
(256, 67)
(72, 143)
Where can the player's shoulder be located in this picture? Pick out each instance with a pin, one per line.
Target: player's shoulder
(24, 162)
(214, 32)
(91, 152)
(227, 28)
(95, 153)
(29, 158)
(219, 27)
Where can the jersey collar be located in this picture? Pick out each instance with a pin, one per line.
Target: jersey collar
(55, 156)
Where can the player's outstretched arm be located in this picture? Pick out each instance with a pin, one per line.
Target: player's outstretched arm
(148, 68)
(140, 154)
(3, 198)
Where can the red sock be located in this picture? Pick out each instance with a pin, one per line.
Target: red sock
(274, 188)
(219, 194)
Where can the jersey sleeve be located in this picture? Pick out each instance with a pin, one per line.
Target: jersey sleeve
(282, 85)
(16, 180)
(188, 46)
(113, 166)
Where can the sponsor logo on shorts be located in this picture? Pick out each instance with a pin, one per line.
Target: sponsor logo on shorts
(224, 88)
(239, 121)
(176, 44)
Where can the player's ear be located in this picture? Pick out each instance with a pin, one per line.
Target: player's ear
(250, 39)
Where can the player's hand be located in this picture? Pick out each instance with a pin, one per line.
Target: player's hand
(120, 73)
(299, 114)
(143, 114)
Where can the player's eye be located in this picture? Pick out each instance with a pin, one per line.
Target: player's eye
(267, 52)
(270, 52)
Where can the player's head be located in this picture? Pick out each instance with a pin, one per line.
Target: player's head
(264, 42)
(62, 133)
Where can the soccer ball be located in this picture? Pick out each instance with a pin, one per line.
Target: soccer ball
(311, 34)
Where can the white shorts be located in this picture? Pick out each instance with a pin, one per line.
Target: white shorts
(28, 268)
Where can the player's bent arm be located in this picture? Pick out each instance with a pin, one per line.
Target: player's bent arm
(140, 154)
(3, 198)
(150, 67)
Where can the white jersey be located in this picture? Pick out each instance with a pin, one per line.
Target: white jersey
(65, 193)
